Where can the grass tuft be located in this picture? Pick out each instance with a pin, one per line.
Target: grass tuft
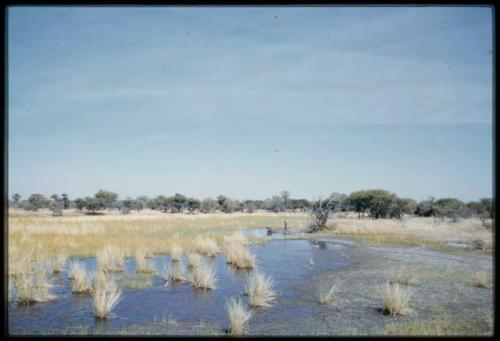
(325, 292)
(80, 282)
(143, 262)
(238, 316)
(105, 295)
(482, 280)
(395, 300)
(259, 290)
(203, 277)
(110, 259)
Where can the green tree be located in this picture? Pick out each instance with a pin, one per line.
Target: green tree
(208, 205)
(79, 203)
(16, 197)
(37, 201)
(161, 203)
(448, 208)
(177, 203)
(66, 201)
(285, 196)
(358, 201)
(403, 206)
(425, 208)
(107, 197)
(95, 204)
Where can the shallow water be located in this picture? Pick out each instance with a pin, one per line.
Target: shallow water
(292, 264)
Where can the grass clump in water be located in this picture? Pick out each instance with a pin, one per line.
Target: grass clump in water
(259, 290)
(105, 295)
(203, 277)
(238, 316)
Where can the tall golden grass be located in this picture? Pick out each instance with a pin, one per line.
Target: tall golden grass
(76, 234)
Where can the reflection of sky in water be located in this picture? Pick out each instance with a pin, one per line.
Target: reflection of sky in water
(286, 261)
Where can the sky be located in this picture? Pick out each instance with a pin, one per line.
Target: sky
(250, 101)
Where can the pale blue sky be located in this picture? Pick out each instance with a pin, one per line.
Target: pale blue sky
(159, 100)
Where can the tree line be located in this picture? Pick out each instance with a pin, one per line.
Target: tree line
(374, 204)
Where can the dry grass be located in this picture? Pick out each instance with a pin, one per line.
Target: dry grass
(238, 316)
(202, 277)
(77, 234)
(105, 295)
(259, 290)
(482, 280)
(80, 282)
(395, 300)
(206, 246)
(238, 255)
(58, 263)
(402, 276)
(194, 260)
(178, 272)
(143, 262)
(33, 286)
(324, 292)
(176, 251)
(74, 268)
(110, 259)
(412, 231)
(237, 237)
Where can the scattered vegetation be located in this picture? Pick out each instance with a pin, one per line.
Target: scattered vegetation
(438, 327)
